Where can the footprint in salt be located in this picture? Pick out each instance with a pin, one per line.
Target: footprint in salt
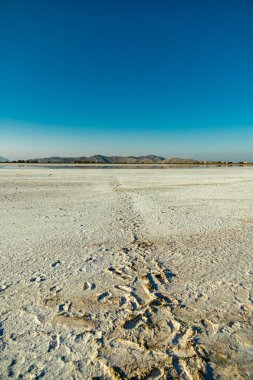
(56, 264)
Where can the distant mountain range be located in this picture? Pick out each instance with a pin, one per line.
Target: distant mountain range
(3, 159)
(100, 159)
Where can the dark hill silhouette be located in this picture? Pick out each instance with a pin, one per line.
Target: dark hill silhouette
(3, 159)
(101, 159)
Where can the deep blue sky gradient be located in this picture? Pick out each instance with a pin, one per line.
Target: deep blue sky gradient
(126, 77)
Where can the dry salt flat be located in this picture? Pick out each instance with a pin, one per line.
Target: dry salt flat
(126, 274)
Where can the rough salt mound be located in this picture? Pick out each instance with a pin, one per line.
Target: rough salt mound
(126, 274)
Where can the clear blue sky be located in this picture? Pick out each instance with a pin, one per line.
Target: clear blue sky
(173, 78)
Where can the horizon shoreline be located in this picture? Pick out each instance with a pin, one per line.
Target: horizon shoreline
(100, 164)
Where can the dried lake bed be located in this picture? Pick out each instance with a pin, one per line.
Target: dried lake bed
(126, 274)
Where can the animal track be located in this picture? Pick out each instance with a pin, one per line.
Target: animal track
(65, 307)
(104, 296)
(119, 272)
(56, 264)
(54, 343)
(88, 286)
(140, 336)
(149, 339)
(3, 287)
(40, 278)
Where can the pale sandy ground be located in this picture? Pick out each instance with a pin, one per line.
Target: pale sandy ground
(132, 274)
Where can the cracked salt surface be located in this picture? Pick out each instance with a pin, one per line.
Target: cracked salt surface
(133, 274)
